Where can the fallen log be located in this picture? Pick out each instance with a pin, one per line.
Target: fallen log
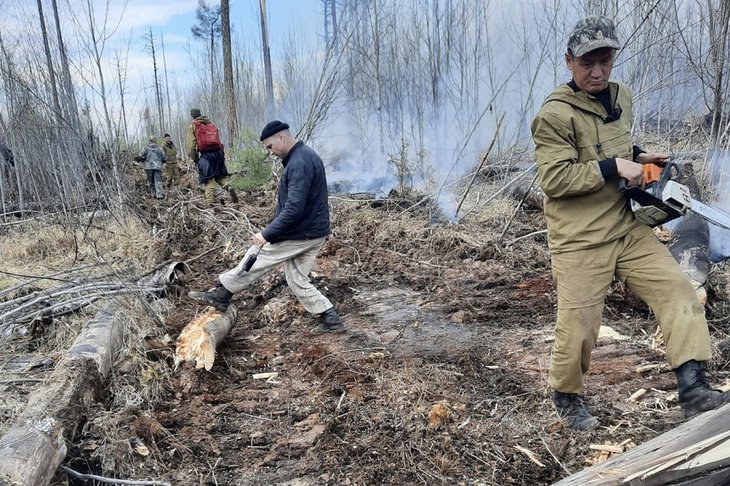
(530, 193)
(199, 340)
(696, 452)
(34, 446)
(691, 239)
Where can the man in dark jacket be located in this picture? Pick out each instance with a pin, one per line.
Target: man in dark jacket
(294, 237)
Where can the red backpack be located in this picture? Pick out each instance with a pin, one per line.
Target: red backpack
(206, 136)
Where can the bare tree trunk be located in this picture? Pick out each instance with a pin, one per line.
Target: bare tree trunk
(96, 51)
(167, 85)
(49, 61)
(267, 61)
(718, 52)
(231, 118)
(121, 78)
(72, 110)
(158, 95)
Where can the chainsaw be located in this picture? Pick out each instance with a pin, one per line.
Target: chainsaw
(662, 199)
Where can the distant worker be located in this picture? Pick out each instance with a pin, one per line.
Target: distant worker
(172, 172)
(154, 158)
(583, 149)
(294, 237)
(205, 148)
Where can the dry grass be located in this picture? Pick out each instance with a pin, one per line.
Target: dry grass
(45, 248)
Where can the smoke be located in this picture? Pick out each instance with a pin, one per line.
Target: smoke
(424, 161)
(719, 237)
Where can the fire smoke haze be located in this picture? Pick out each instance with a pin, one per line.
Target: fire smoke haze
(505, 62)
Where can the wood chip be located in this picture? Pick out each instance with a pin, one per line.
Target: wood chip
(264, 376)
(637, 395)
(652, 367)
(530, 455)
(610, 448)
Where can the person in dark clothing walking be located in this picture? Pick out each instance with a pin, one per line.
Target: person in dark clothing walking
(204, 147)
(294, 237)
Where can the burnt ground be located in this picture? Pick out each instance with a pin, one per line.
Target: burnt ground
(441, 377)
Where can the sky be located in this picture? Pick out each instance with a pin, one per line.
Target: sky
(128, 22)
(175, 17)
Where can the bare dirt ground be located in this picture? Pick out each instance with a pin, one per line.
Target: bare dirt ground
(441, 377)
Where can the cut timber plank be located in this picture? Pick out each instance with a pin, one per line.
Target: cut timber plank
(686, 440)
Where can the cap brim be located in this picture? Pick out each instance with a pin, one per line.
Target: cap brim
(590, 46)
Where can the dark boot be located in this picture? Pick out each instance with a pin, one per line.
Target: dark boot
(219, 297)
(571, 410)
(329, 321)
(234, 196)
(695, 395)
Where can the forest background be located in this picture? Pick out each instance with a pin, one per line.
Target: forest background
(397, 94)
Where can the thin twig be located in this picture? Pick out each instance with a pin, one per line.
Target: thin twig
(554, 457)
(339, 404)
(515, 178)
(481, 164)
(79, 475)
(539, 232)
(331, 355)
(514, 213)
(191, 260)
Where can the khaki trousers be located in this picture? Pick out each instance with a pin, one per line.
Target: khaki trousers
(298, 257)
(212, 184)
(646, 266)
(172, 173)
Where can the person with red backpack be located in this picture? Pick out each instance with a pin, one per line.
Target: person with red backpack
(205, 148)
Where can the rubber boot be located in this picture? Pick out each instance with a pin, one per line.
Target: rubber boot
(329, 321)
(218, 297)
(572, 412)
(234, 196)
(695, 395)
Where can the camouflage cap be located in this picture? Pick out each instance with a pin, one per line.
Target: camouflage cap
(592, 33)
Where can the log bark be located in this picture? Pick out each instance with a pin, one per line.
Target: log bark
(695, 453)
(34, 446)
(691, 239)
(199, 340)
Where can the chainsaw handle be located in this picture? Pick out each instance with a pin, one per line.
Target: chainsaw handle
(652, 173)
(659, 174)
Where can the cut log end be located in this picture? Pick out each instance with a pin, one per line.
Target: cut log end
(199, 340)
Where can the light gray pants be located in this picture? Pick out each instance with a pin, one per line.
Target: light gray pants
(298, 258)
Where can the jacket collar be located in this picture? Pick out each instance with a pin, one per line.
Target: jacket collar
(286, 158)
(570, 93)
